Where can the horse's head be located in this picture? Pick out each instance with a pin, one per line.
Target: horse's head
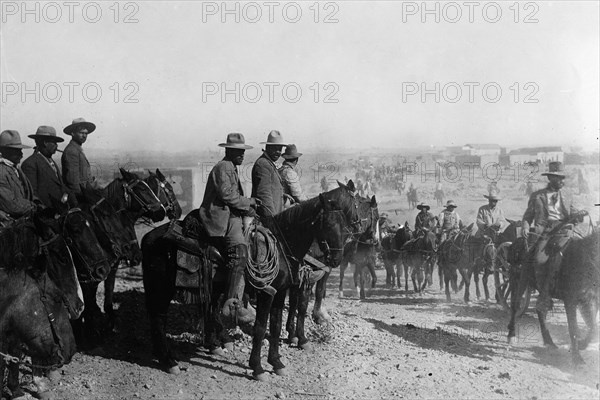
(133, 194)
(46, 333)
(165, 193)
(91, 261)
(346, 200)
(331, 231)
(19, 245)
(368, 214)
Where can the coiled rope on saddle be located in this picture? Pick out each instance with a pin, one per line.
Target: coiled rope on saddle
(261, 273)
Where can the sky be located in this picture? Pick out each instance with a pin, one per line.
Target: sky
(180, 75)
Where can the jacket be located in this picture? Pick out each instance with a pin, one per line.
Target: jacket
(267, 187)
(449, 220)
(223, 198)
(46, 184)
(16, 194)
(291, 182)
(75, 167)
(537, 209)
(486, 217)
(426, 220)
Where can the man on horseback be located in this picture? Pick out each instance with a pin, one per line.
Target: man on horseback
(292, 190)
(42, 171)
(75, 165)
(385, 227)
(424, 221)
(222, 210)
(266, 181)
(490, 219)
(16, 193)
(449, 221)
(552, 215)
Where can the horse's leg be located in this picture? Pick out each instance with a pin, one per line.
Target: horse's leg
(589, 310)
(519, 284)
(447, 278)
(263, 308)
(275, 331)
(476, 270)
(303, 294)
(571, 310)
(371, 265)
(290, 326)
(109, 290)
(406, 267)
(319, 313)
(441, 276)
(91, 314)
(343, 267)
(359, 279)
(466, 276)
(486, 275)
(544, 329)
(13, 380)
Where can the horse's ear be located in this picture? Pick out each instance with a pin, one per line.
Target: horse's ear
(350, 186)
(150, 173)
(160, 175)
(128, 176)
(373, 202)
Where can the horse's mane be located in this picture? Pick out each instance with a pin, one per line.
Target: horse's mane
(301, 213)
(113, 189)
(19, 245)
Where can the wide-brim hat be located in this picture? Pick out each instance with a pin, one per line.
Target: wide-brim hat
(274, 139)
(451, 203)
(235, 141)
(79, 123)
(423, 205)
(47, 133)
(555, 168)
(492, 197)
(291, 152)
(11, 139)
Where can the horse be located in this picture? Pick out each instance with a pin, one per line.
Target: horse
(361, 250)
(35, 311)
(577, 284)
(418, 256)
(165, 193)
(438, 195)
(159, 272)
(459, 253)
(391, 254)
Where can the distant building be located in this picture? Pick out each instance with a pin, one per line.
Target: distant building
(536, 154)
(482, 149)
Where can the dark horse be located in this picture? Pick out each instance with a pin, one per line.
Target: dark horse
(163, 190)
(419, 256)
(412, 197)
(298, 226)
(37, 294)
(392, 254)
(577, 285)
(361, 250)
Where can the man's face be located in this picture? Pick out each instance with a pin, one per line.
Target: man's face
(556, 182)
(273, 151)
(48, 148)
(80, 136)
(11, 154)
(493, 203)
(236, 155)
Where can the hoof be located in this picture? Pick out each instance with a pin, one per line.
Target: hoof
(510, 340)
(54, 375)
(217, 351)
(341, 294)
(294, 341)
(262, 377)
(281, 372)
(174, 370)
(306, 346)
(228, 346)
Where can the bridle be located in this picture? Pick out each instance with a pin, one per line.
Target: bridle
(129, 193)
(161, 186)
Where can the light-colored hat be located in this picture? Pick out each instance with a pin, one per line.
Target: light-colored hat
(274, 138)
(555, 168)
(77, 124)
(384, 215)
(12, 139)
(291, 152)
(423, 205)
(492, 197)
(47, 133)
(451, 203)
(235, 141)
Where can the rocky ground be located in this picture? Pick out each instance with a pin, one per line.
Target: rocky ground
(393, 344)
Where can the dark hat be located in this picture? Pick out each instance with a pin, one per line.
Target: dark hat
(492, 197)
(451, 203)
(77, 124)
(12, 139)
(235, 141)
(47, 133)
(423, 205)
(555, 168)
(274, 138)
(291, 152)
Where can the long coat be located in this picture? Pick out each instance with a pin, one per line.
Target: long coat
(47, 185)
(537, 209)
(267, 187)
(223, 198)
(76, 169)
(16, 194)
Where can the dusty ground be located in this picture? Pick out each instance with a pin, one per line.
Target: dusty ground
(391, 345)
